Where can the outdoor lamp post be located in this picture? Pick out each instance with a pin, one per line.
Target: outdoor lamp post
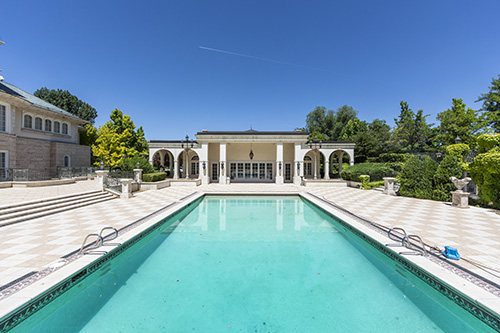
(315, 145)
(457, 140)
(189, 145)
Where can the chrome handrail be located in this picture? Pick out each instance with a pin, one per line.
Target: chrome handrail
(406, 242)
(98, 243)
(115, 231)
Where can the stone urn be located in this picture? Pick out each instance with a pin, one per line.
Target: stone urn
(459, 197)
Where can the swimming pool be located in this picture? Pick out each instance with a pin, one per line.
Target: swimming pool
(251, 264)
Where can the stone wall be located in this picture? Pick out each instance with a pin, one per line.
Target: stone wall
(8, 143)
(79, 155)
(32, 153)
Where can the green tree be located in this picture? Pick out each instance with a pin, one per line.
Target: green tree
(491, 104)
(449, 167)
(340, 119)
(118, 139)
(68, 102)
(416, 177)
(316, 120)
(460, 122)
(411, 130)
(380, 132)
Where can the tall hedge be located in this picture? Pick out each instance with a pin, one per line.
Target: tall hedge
(416, 177)
(486, 168)
(376, 171)
(449, 167)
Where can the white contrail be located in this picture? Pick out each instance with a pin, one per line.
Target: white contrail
(259, 58)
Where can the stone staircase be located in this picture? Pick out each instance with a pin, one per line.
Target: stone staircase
(25, 211)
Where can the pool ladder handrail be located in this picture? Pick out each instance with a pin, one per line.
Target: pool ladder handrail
(99, 241)
(406, 242)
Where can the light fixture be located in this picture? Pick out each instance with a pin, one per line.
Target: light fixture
(298, 165)
(102, 165)
(222, 165)
(457, 140)
(137, 165)
(251, 154)
(204, 165)
(279, 163)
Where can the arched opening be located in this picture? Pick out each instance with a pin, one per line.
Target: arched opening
(314, 164)
(163, 161)
(189, 164)
(339, 159)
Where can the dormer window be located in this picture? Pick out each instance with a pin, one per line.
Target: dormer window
(57, 127)
(28, 121)
(48, 125)
(38, 123)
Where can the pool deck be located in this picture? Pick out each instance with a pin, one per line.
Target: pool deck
(33, 245)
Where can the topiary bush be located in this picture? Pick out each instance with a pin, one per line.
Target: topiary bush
(365, 179)
(416, 177)
(130, 163)
(449, 167)
(393, 158)
(458, 151)
(488, 141)
(376, 171)
(154, 177)
(486, 173)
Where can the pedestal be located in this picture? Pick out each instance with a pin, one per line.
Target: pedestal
(460, 199)
(138, 175)
(102, 177)
(126, 188)
(389, 186)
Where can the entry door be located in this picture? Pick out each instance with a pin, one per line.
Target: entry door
(288, 172)
(215, 172)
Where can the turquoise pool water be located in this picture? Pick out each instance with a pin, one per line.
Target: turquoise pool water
(250, 264)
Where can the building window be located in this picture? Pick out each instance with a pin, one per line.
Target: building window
(3, 118)
(67, 161)
(48, 125)
(4, 164)
(28, 121)
(38, 123)
(64, 128)
(57, 127)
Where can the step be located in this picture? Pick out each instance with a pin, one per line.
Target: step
(62, 200)
(47, 199)
(52, 206)
(55, 211)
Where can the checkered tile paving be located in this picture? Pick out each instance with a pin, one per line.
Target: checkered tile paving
(32, 245)
(475, 232)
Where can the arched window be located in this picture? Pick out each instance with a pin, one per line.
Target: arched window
(195, 158)
(307, 158)
(48, 125)
(57, 127)
(28, 121)
(64, 128)
(38, 123)
(67, 161)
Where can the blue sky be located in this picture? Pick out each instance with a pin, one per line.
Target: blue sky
(281, 59)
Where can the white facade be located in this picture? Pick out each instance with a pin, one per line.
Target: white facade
(250, 156)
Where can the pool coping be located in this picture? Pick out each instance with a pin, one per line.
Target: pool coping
(28, 299)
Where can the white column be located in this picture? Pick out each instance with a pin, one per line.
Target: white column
(327, 168)
(176, 168)
(297, 172)
(186, 169)
(222, 161)
(279, 159)
(315, 164)
(162, 158)
(203, 154)
(340, 154)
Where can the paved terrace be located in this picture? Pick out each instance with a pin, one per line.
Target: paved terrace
(32, 245)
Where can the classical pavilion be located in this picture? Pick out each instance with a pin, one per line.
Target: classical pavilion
(251, 156)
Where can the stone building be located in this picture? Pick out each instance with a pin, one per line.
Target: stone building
(35, 134)
(251, 156)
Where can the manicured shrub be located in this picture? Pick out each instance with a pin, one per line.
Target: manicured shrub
(416, 177)
(488, 141)
(130, 163)
(486, 173)
(154, 177)
(458, 151)
(376, 171)
(393, 158)
(365, 179)
(449, 167)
